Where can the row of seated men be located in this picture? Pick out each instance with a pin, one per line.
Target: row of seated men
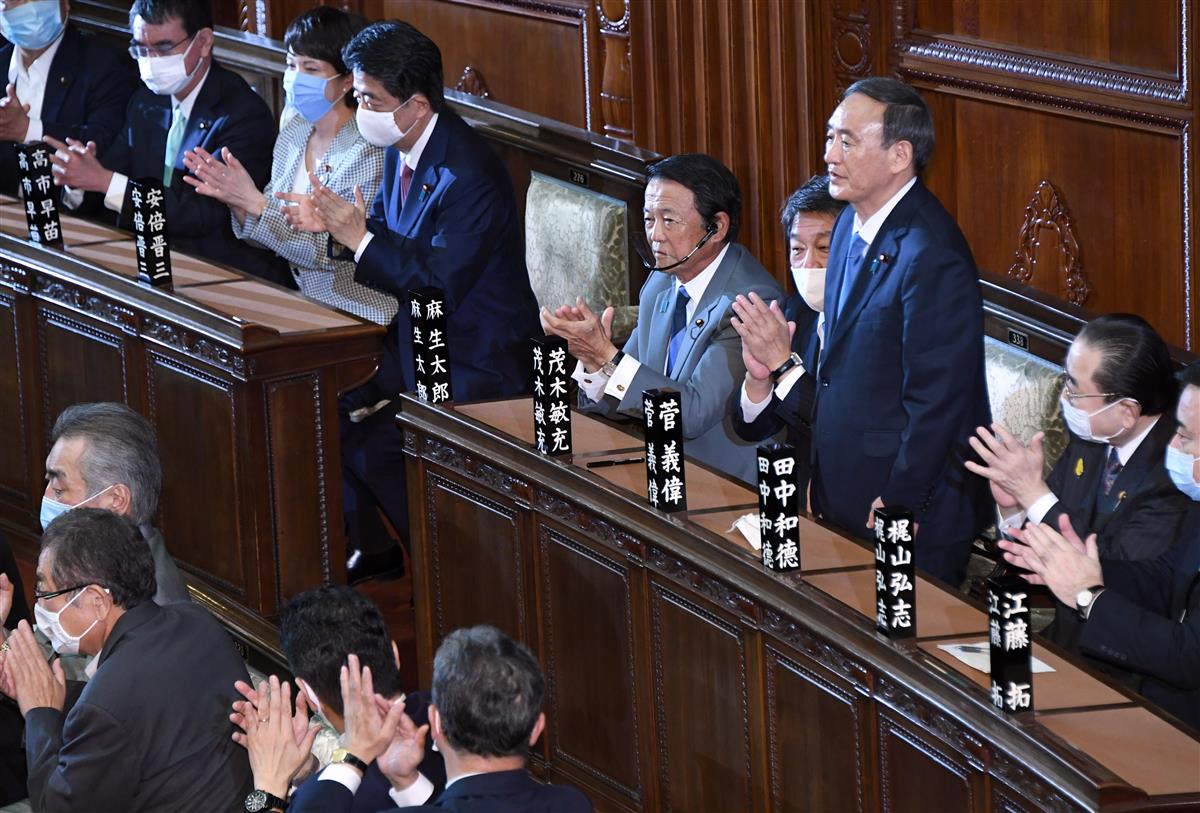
(873, 370)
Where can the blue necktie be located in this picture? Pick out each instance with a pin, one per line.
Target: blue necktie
(853, 264)
(678, 327)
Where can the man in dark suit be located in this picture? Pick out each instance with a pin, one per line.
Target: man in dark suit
(901, 382)
(150, 730)
(779, 387)
(445, 216)
(61, 82)
(1143, 616)
(683, 338)
(486, 714)
(1118, 396)
(320, 630)
(188, 101)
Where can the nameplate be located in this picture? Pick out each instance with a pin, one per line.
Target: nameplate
(551, 406)
(431, 357)
(895, 573)
(778, 507)
(148, 204)
(1010, 637)
(665, 487)
(37, 186)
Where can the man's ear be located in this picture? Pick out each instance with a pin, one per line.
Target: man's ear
(435, 722)
(205, 35)
(721, 221)
(901, 157)
(538, 727)
(119, 500)
(396, 653)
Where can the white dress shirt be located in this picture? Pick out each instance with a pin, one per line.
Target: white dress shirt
(31, 83)
(415, 794)
(868, 229)
(596, 385)
(411, 159)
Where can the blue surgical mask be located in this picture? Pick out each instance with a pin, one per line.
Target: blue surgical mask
(32, 25)
(53, 509)
(306, 93)
(1181, 467)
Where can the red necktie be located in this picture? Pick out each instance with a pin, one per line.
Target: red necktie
(406, 176)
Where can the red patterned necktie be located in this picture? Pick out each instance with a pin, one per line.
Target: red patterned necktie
(406, 176)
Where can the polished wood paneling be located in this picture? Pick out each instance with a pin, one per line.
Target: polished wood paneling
(918, 773)
(14, 463)
(80, 360)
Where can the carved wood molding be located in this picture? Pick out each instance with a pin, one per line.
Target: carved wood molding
(1047, 211)
(1018, 777)
(197, 347)
(930, 720)
(616, 83)
(16, 276)
(852, 45)
(471, 81)
(720, 593)
(473, 468)
(587, 523)
(803, 640)
(85, 302)
(930, 747)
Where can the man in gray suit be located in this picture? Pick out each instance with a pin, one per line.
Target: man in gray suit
(104, 455)
(683, 338)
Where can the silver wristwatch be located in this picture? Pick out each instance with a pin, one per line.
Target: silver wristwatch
(1084, 600)
(609, 367)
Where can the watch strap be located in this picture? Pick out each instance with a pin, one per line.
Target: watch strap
(260, 800)
(793, 360)
(610, 367)
(341, 755)
(1086, 610)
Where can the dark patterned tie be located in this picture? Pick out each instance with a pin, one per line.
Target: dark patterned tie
(406, 176)
(1111, 470)
(678, 326)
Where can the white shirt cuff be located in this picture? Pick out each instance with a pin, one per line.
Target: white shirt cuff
(1005, 524)
(35, 132)
(362, 246)
(592, 384)
(1041, 506)
(789, 380)
(622, 376)
(751, 410)
(114, 198)
(342, 774)
(418, 793)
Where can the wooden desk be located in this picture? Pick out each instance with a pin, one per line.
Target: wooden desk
(240, 380)
(683, 676)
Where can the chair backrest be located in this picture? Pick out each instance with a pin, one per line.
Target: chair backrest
(577, 244)
(1024, 391)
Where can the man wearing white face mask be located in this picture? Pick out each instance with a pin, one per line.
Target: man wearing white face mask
(150, 730)
(59, 81)
(188, 101)
(779, 388)
(1141, 616)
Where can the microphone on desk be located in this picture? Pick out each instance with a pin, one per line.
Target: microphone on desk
(647, 256)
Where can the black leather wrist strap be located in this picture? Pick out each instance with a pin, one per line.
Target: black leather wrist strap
(778, 372)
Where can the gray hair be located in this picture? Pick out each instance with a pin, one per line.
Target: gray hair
(120, 447)
(488, 689)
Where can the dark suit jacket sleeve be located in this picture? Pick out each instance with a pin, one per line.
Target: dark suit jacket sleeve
(1129, 625)
(942, 334)
(455, 258)
(1147, 532)
(317, 796)
(74, 765)
(110, 81)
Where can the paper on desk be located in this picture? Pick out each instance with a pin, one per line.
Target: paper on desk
(978, 655)
(748, 525)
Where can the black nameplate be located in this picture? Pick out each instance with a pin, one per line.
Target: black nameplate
(895, 572)
(1018, 339)
(551, 406)
(665, 487)
(1011, 644)
(153, 251)
(431, 358)
(578, 176)
(37, 186)
(778, 507)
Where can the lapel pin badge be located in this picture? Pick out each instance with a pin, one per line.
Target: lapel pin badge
(425, 190)
(1079, 467)
(1121, 497)
(699, 323)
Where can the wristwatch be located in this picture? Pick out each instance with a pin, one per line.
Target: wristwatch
(609, 367)
(260, 800)
(792, 360)
(1085, 599)
(341, 755)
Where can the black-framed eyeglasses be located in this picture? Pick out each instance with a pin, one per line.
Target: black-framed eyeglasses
(137, 50)
(37, 596)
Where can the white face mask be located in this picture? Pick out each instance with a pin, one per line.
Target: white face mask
(49, 623)
(810, 283)
(167, 75)
(1080, 422)
(52, 509)
(378, 127)
(1182, 469)
(313, 702)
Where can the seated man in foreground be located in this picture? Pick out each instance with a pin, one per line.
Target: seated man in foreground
(683, 339)
(1143, 616)
(149, 731)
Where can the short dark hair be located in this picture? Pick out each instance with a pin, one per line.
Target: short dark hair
(488, 689)
(194, 14)
(321, 33)
(121, 448)
(94, 546)
(319, 629)
(1134, 361)
(404, 60)
(713, 185)
(907, 117)
(810, 196)
(1189, 376)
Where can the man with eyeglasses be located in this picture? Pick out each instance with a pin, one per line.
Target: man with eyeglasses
(57, 81)
(150, 730)
(188, 100)
(1117, 398)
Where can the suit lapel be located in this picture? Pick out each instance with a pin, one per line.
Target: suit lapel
(1187, 561)
(202, 119)
(425, 177)
(660, 330)
(1086, 467)
(1148, 455)
(714, 303)
(62, 70)
(871, 274)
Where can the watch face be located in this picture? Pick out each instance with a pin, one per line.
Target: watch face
(256, 801)
(1084, 598)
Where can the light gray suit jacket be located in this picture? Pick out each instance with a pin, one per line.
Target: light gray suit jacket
(708, 368)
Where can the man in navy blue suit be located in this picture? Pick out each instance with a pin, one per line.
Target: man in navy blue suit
(445, 216)
(486, 714)
(188, 101)
(60, 82)
(779, 387)
(901, 385)
(1142, 616)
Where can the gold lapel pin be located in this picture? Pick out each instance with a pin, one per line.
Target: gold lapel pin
(1079, 467)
